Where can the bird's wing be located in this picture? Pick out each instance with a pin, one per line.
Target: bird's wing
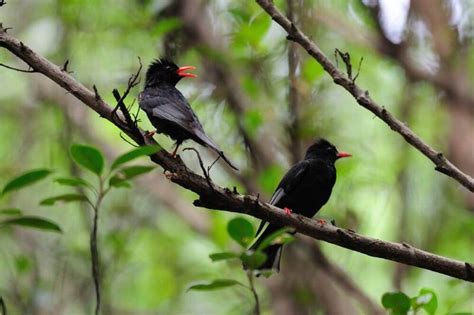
(289, 183)
(172, 107)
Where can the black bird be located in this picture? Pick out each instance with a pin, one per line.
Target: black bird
(304, 189)
(168, 110)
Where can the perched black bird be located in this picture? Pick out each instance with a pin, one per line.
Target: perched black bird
(304, 189)
(168, 110)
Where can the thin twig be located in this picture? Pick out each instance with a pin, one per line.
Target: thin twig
(30, 70)
(442, 164)
(206, 174)
(254, 291)
(94, 249)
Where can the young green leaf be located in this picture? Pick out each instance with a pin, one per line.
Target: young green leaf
(215, 285)
(33, 222)
(427, 300)
(64, 198)
(398, 302)
(241, 231)
(88, 157)
(118, 182)
(10, 211)
(133, 171)
(279, 237)
(72, 181)
(123, 175)
(222, 256)
(25, 179)
(135, 153)
(253, 260)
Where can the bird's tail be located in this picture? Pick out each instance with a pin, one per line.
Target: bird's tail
(213, 146)
(273, 251)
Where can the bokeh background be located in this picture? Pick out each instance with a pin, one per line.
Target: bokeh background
(263, 100)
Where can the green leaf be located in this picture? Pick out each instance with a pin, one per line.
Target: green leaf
(241, 231)
(222, 256)
(398, 303)
(10, 211)
(166, 25)
(278, 237)
(33, 222)
(22, 264)
(427, 300)
(120, 179)
(26, 179)
(72, 181)
(133, 171)
(215, 285)
(311, 70)
(253, 119)
(135, 153)
(253, 260)
(64, 198)
(117, 182)
(88, 157)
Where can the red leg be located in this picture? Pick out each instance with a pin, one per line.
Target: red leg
(175, 149)
(288, 211)
(150, 134)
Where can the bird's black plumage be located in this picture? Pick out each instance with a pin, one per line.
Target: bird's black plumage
(304, 189)
(168, 110)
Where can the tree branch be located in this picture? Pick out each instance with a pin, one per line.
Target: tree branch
(225, 199)
(362, 97)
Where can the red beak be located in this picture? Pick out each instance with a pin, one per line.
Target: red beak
(343, 155)
(182, 72)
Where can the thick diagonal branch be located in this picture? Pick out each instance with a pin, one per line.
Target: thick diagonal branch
(224, 199)
(362, 97)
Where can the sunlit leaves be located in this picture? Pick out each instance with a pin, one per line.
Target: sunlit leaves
(215, 285)
(135, 153)
(32, 222)
(88, 157)
(25, 179)
(241, 231)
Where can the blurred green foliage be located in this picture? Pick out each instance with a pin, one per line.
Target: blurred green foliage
(152, 253)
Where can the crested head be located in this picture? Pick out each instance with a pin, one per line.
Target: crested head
(323, 149)
(166, 71)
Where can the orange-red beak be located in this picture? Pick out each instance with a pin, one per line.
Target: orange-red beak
(182, 72)
(343, 155)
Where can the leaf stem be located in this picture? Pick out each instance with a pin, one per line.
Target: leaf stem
(93, 246)
(250, 277)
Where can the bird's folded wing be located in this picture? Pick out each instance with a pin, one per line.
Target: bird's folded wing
(176, 110)
(289, 183)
